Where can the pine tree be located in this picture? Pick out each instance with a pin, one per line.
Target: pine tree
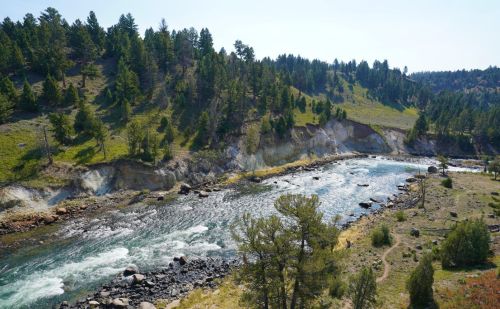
(61, 127)
(419, 285)
(100, 133)
(127, 84)
(28, 101)
(126, 111)
(5, 109)
(51, 91)
(71, 96)
(8, 89)
(84, 119)
(363, 289)
(202, 131)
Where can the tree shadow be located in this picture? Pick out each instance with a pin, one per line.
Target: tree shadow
(85, 155)
(432, 305)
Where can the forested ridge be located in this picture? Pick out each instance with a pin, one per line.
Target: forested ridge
(208, 95)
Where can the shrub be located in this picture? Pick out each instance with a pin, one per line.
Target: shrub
(467, 244)
(419, 285)
(381, 236)
(400, 216)
(447, 183)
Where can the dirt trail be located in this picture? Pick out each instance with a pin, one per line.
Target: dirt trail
(387, 266)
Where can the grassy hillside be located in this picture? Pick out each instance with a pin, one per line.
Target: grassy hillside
(22, 155)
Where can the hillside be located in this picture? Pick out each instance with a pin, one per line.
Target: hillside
(169, 83)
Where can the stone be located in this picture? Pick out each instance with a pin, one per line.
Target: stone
(184, 188)
(48, 219)
(61, 211)
(129, 271)
(435, 242)
(418, 247)
(138, 278)
(494, 193)
(365, 204)
(182, 260)
(146, 305)
(411, 179)
(255, 179)
(104, 294)
(203, 194)
(83, 207)
(453, 214)
(316, 177)
(432, 169)
(375, 200)
(363, 185)
(491, 216)
(94, 304)
(414, 232)
(120, 302)
(160, 198)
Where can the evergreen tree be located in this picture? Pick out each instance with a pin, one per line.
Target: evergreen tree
(61, 127)
(8, 89)
(202, 131)
(27, 101)
(96, 32)
(127, 84)
(71, 96)
(169, 133)
(100, 133)
(363, 289)
(135, 136)
(419, 285)
(51, 91)
(126, 111)
(5, 109)
(84, 119)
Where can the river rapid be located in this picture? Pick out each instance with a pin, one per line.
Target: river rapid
(87, 252)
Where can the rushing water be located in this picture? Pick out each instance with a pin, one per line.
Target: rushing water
(87, 252)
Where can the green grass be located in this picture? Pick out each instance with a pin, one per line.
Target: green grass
(17, 140)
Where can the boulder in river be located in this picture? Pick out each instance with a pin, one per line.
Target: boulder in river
(365, 204)
(411, 179)
(432, 169)
(363, 185)
(203, 194)
(48, 219)
(129, 271)
(316, 177)
(375, 200)
(255, 179)
(185, 188)
(182, 260)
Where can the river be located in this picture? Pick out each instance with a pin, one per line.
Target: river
(87, 252)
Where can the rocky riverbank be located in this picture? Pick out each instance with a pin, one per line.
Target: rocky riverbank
(133, 289)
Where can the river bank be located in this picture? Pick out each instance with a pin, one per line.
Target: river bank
(468, 199)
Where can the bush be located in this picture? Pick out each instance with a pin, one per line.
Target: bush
(467, 244)
(447, 183)
(381, 236)
(419, 285)
(400, 216)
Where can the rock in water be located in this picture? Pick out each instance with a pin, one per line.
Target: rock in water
(203, 194)
(129, 271)
(365, 204)
(182, 260)
(411, 179)
(185, 188)
(432, 169)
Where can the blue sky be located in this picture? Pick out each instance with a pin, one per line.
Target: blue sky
(422, 34)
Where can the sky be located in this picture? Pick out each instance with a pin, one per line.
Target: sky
(424, 35)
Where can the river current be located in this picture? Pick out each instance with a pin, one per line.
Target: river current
(87, 252)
